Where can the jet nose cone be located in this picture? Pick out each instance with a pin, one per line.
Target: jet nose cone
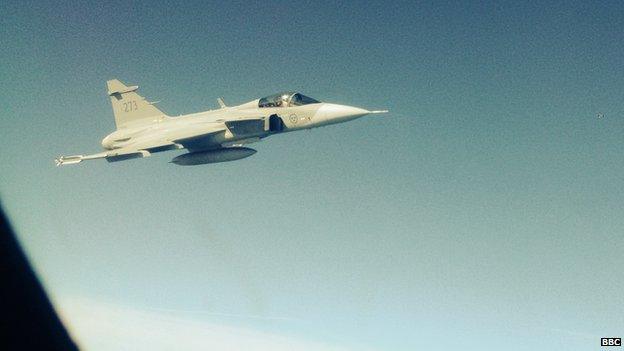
(333, 113)
(355, 112)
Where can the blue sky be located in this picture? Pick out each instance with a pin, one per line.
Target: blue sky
(486, 208)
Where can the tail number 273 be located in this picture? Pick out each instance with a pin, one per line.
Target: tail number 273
(130, 106)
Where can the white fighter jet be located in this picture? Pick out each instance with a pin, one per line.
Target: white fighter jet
(210, 136)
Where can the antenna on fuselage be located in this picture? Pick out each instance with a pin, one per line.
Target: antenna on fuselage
(221, 103)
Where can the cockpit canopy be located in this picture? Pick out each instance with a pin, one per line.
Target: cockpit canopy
(286, 99)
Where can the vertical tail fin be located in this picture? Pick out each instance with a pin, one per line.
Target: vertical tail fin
(129, 107)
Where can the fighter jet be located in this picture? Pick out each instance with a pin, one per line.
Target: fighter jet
(211, 136)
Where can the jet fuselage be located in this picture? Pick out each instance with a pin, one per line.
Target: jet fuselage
(294, 118)
(210, 136)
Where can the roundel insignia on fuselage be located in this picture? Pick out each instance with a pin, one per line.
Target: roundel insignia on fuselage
(293, 118)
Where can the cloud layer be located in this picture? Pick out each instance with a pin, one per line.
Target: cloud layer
(100, 326)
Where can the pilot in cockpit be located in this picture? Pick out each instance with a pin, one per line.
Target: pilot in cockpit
(286, 99)
(282, 100)
(279, 102)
